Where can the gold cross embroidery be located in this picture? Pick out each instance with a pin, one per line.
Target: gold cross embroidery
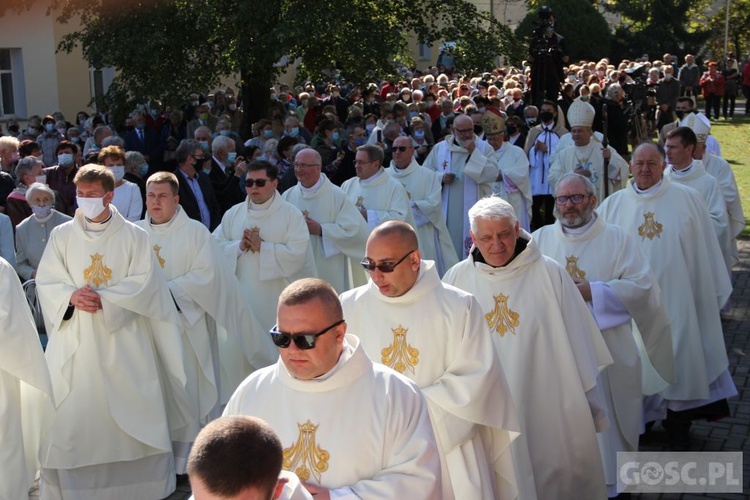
(159, 258)
(573, 270)
(306, 213)
(650, 227)
(400, 355)
(305, 454)
(502, 319)
(360, 200)
(97, 273)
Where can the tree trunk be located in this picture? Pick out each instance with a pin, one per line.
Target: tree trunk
(256, 97)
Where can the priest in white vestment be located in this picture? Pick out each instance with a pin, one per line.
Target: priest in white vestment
(338, 232)
(24, 386)
(434, 334)
(551, 351)
(513, 183)
(350, 428)
(616, 282)
(423, 189)
(587, 156)
(671, 223)
(266, 242)
(466, 174)
(114, 354)
(204, 290)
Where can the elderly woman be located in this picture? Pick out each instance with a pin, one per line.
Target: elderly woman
(33, 232)
(127, 200)
(28, 171)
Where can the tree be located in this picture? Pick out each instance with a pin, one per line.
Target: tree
(167, 49)
(715, 19)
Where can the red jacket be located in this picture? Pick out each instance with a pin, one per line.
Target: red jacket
(712, 84)
(746, 75)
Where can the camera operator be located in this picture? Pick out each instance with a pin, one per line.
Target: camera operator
(667, 92)
(547, 55)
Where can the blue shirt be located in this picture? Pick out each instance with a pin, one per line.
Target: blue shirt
(196, 189)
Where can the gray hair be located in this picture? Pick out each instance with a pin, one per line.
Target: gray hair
(269, 148)
(613, 90)
(221, 143)
(26, 165)
(491, 208)
(133, 159)
(587, 184)
(202, 128)
(185, 149)
(299, 147)
(38, 186)
(114, 140)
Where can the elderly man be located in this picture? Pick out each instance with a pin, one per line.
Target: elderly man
(423, 190)
(197, 197)
(551, 351)
(587, 156)
(204, 290)
(670, 221)
(382, 446)
(266, 241)
(226, 171)
(613, 276)
(114, 335)
(293, 129)
(377, 195)
(434, 334)
(466, 173)
(338, 232)
(513, 183)
(203, 118)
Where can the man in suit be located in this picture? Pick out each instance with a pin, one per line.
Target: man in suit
(204, 119)
(226, 171)
(146, 141)
(196, 194)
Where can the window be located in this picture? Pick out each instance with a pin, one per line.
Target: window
(100, 80)
(424, 52)
(7, 103)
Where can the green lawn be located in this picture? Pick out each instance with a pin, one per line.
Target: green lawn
(734, 139)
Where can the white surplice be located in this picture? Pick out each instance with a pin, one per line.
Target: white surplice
(24, 386)
(110, 431)
(622, 288)
(345, 232)
(424, 192)
(361, 430)
(435, 335)
(383, 197)
(551, 351)
(515, 187)
(590, 159)
(474, 173)
(285, 254)
(671, 223)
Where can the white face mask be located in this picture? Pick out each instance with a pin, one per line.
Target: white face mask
(91, 207)
(41, 179)
(41, 212)
(118, 171)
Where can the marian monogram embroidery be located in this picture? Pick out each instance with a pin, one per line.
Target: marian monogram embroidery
(650, 227)
(360, 200)
(305, 454)
(572, 267)
(502, 319)
(400, 355)
(97, 273)
(306, 213)
(158, 256)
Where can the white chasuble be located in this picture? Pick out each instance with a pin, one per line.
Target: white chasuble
(551, 351)
(108, 365)
(515, 186)
(384, 199)
(25, 387)
(590, 159)
(671, 223)
(424, 192)
(474, 173)
(285, 254)
(435, 335)
(345, 232)
(622, 287)
(361, 430)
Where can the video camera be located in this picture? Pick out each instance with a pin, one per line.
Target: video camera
(542, 41)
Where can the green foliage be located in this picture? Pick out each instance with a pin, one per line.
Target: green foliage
(585, 30)
(739, 33)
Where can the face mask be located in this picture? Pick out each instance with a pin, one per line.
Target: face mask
(65, 159)
(547, 116)
(335, 136)
(530, 122)
(199, 163)
(231, 156)
(140, 125)
(413, 114)
(274, 97)
(482, 109)
(585, 98)
(143, 170)
(204, 145)
(118, 171)
(429, 104)
(13, 128)
(50, 127)
(203, 116)
(596, 94)
(667, 76)
(294, 132)
(571, 78)
(304, 102)
(91, 207)
(41, 179)
(207, 170)
(511, 129)
(41, 212)
(360, 141)
(232, 107)
(224, 132)
(154, 113)
(62, 131)
(419, 134)
(370, 127)
(75, 139)
(680, 114)
(268, 133)
(194, 103)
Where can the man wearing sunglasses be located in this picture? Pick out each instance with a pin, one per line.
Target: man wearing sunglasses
(349, 428)
(266, 242)
(435, 335)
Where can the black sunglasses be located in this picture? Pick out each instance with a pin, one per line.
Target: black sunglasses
(260, 182)
(400, 148)
(301, 340)
(386, 267)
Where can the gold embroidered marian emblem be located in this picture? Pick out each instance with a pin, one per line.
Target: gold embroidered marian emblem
(650, 227)
(306, 213)
(158, 256)
(306, 454)
(360, 200)
(97, 273)
(502, 319)
(400, 355)
(573, 270)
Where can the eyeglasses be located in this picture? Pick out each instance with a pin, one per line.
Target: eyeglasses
(465, 130)
(260, 182)
(362, 162)
(198, 158)
(400, 148)
(386, 267)
(304, 165)
(303, 341)
(575, 198)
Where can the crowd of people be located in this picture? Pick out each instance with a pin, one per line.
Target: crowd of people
(473, 278)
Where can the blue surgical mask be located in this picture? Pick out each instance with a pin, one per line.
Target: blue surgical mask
(65, 159)
(360, 141)
(75, 139)
(268, 133)
(413, 114)
(224, 132)
(335, 135)
(143, 170)
(294, 132)
(41, 212)
(370, 127)
(204, 145)
(419, 134)
(231, 156)
(50, 127)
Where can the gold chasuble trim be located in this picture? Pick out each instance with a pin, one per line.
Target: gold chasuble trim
(650, 227)
(97, 273)
(159, 258)
(305, 454)
(400, 355)
(572, 267)
(502, 319)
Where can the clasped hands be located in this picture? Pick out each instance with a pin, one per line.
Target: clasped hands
(250, 241)
(86, 299)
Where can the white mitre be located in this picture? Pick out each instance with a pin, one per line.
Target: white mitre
(581, 114)
(698, 123)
